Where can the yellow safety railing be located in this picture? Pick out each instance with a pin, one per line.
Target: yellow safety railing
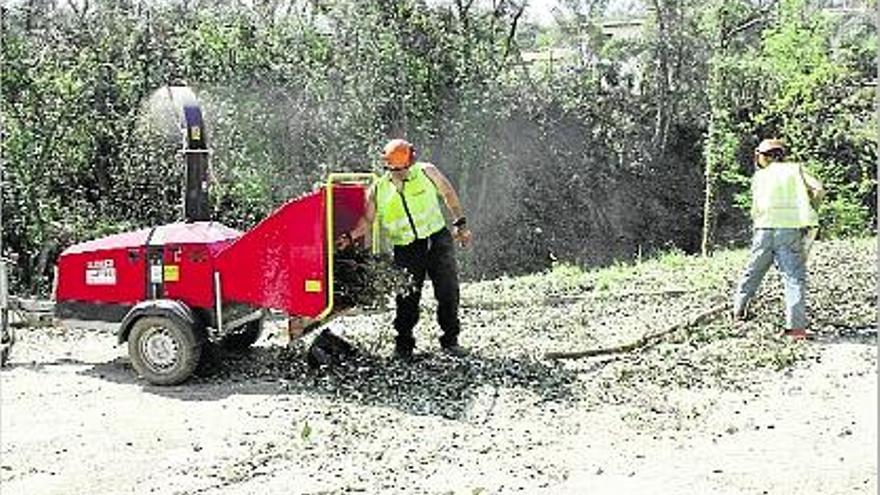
(365, 177)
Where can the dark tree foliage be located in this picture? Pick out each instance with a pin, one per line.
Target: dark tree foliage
(592, 157)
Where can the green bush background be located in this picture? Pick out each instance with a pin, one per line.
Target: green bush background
(592, 157)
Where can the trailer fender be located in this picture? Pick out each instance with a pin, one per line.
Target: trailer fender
(168, 308)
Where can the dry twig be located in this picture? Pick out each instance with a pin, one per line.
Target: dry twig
(559, 300)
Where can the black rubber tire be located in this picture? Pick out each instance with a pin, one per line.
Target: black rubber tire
(243, 338)
(182, 358)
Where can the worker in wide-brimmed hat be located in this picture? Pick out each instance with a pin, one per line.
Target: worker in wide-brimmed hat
(784, 196)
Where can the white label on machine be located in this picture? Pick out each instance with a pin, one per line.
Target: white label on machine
(100, 272)
(156, 274)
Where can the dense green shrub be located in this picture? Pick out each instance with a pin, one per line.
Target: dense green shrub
(596, 157)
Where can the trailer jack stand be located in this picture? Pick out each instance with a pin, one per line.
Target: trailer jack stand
(328, 349)
(7, 340)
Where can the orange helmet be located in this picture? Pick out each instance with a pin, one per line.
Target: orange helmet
(398, 154)
(769, 145)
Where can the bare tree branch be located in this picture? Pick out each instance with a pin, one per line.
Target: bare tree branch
(512, 32)
(463, 9)
(742, 27)
(756, 18)
(80, 12)
(648, 340)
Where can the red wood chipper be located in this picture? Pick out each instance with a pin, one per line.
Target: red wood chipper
(174, 288)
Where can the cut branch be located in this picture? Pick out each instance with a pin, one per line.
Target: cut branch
(645, 341)
(559, 300)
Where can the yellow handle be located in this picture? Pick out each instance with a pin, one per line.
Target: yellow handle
(335, 178)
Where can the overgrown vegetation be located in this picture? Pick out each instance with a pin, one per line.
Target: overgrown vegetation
(595, 157)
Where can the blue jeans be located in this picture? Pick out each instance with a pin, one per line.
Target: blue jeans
(786, 248)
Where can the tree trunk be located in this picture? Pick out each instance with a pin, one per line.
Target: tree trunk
(661, 118)
(719, 137)
(713, 154)
(722, 141)
(710, 216)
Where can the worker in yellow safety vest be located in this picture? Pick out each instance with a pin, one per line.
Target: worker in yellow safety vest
(405, 202)
(784, 196)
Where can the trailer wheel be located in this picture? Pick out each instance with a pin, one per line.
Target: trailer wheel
(243, 338)
(162, 350)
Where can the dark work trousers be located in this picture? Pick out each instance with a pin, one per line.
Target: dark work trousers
(434, 256)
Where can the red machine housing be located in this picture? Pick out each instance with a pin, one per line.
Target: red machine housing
(284, 263)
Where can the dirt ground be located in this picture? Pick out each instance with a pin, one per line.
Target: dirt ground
(76, 420)
(683, 418)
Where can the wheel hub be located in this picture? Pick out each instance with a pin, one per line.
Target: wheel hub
(159, 349)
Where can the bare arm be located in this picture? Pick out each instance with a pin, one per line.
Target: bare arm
(363, 225)
(460, 231)
(814, 186)
(450, 197)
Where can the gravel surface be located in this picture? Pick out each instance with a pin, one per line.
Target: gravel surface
(717, 408)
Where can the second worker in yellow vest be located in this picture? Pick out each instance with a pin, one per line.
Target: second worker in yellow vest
(784, 217)
(406, 204)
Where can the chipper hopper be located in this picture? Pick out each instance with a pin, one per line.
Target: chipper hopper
(174, 288)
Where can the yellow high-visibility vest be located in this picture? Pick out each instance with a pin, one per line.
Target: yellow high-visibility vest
(780, 198)
(412, 212)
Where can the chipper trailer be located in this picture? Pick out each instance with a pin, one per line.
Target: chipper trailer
(175, 288)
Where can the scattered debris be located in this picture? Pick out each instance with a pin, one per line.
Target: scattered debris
(375, 423)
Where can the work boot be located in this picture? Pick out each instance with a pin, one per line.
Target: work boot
(456, 350)
(740, 313)
(404, 354)
(796, 333)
